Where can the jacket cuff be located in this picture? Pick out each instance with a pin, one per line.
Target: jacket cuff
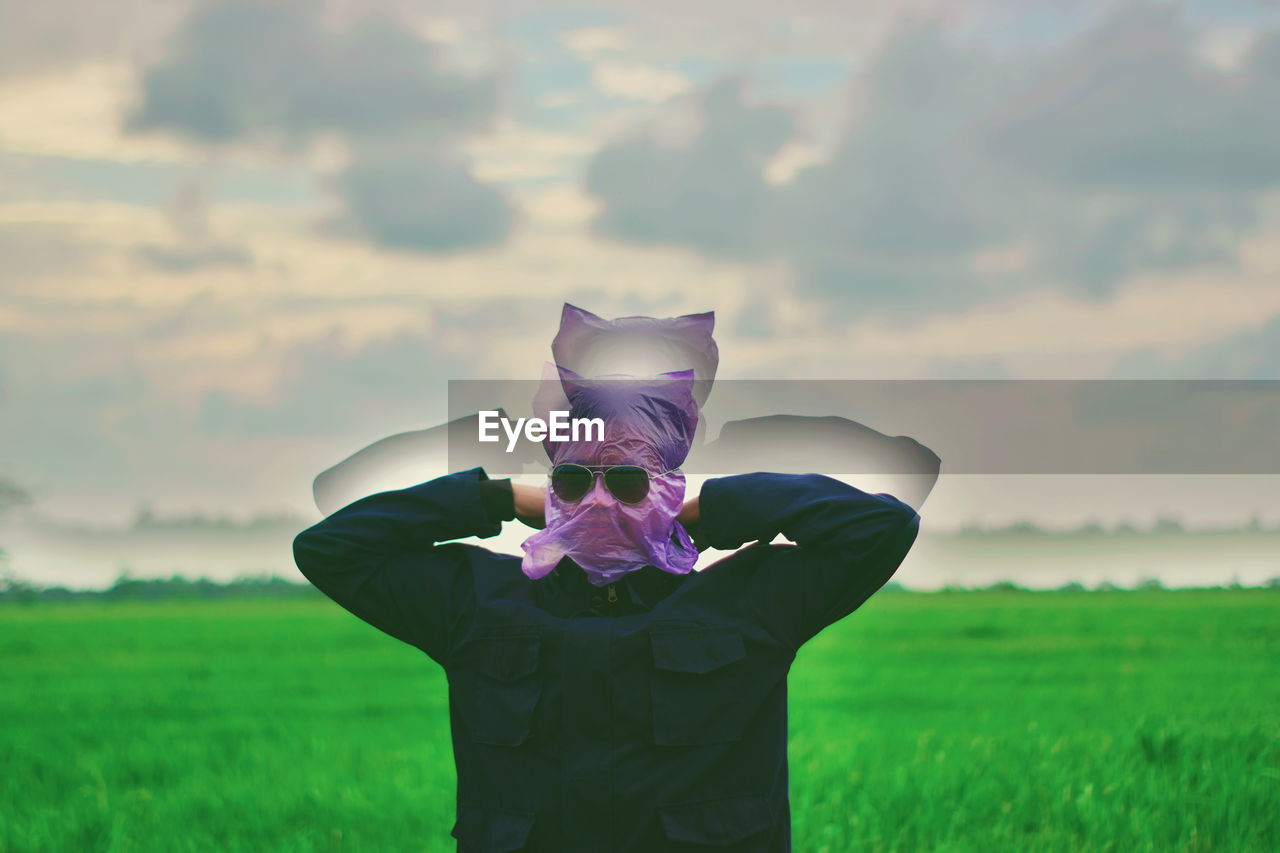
(498, 499)
(726, 519)
(469, 501)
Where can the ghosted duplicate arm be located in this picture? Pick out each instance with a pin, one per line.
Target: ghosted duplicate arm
(848, 543)
(380, 558)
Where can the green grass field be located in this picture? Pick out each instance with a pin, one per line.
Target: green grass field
(1076, 722)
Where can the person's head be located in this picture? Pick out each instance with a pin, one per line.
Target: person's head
(648, 423)
(612, 503)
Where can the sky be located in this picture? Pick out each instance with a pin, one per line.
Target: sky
(240, 241)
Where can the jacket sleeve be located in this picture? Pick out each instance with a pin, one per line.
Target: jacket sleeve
(378, 557)
(848, 543)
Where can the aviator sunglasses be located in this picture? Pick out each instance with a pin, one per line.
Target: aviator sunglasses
(627, 483)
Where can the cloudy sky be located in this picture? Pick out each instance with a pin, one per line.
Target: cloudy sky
(241, 240)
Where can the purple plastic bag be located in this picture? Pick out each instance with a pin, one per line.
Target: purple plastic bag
(638, 346)
(649, 421)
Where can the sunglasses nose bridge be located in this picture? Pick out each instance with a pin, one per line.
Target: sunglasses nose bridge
(598, 493)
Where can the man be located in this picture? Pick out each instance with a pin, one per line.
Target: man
(603, 696)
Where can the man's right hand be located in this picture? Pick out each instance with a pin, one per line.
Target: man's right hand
(531, 504)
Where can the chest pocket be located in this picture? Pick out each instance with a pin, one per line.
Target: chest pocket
(497, 687)
(725, 824)
(699, 679)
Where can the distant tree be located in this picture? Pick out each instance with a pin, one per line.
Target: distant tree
(1071, 586)
(1167, 524)
(146, 519)
(1150, 583)
(128, 587)
(13, 587)
(125, 585)
(1023, 526)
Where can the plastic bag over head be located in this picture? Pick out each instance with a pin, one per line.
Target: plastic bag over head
(649, 421)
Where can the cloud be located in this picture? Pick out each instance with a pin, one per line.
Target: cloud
(195, 248)
(36, 37)
(275, 71)
(76, 409)
(182, 259)
(592, 42)
(1148, 157)
(884, 220)
(214, 397)
(1248, 354)
(1132, 106)
(696, 181)
(1118, 152)
(962, 368)
(328, 390)
(36, 254)
(637, 80)
(422, 200)
(274, 75)
(888, 220)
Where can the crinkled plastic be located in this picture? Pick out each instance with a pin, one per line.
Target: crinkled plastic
(648, 422)
(646, 377)
(638, 346)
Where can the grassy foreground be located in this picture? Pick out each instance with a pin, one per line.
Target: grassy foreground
(975, 721)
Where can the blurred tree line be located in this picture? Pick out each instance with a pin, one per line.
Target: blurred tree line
(1163, 525)
(129, 588)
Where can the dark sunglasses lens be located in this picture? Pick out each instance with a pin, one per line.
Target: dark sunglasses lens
(570, 482)
(628, 483)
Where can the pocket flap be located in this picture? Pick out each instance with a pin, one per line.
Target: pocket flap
(492, 830)
(508, 658)
(696, 649)
(720, 822)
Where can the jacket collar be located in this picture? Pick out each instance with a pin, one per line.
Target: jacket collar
(634, 592)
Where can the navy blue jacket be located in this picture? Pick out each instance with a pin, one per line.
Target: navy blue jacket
(649, 715)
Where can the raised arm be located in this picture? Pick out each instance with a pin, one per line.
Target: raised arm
(848, 543)
(404, 458)
(797, 444)
(378, 557)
